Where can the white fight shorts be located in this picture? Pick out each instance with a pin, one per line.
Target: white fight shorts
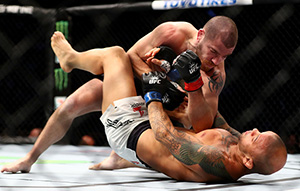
(120, 120)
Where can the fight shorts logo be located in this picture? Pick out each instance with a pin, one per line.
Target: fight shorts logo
(135, 162)
(117, 123)
(138, 107)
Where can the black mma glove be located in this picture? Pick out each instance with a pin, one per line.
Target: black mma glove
(173, 97)
(157, 88)
(167, 55)
(188, 65)
(154, 86)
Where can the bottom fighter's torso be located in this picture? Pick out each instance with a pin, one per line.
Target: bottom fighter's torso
(160, 158)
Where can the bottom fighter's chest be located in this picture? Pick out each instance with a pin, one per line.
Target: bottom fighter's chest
(217, 137)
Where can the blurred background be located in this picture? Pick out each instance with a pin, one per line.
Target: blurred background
(261, 91)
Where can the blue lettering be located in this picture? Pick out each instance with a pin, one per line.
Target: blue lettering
(183, 3)
(214, 2)
(174, 4)
(233, 2)
(208, 3)
(223, 2)
(193, 3)
(166, 4)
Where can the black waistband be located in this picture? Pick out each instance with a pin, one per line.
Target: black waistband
(135, 135)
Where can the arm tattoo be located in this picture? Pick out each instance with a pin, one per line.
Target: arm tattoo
(220, 122)
(209, 158)
(229, 140)
(213, 163)
(215, 82)
(185, 147)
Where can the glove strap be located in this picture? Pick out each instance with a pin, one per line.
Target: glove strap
(193, 86)
(152, 96)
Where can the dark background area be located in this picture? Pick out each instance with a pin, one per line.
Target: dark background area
(61, 4)
(261, 91)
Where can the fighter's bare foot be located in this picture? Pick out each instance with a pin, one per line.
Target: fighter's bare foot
(114, 161)
(63, 50)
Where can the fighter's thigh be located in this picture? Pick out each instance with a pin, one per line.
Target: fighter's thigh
(118, 78)
(87, 98)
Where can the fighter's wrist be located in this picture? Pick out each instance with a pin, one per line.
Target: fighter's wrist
(193, 86)
(174, 75)
(152, 96)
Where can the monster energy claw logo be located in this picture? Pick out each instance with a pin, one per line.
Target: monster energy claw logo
(61, 79)
(63, 26)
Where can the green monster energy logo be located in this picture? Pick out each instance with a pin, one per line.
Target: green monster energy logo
(63, 26)
(61, 77)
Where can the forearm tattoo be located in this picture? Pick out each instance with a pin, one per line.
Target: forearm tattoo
(216, 82)
(220, 122)
(185, 147)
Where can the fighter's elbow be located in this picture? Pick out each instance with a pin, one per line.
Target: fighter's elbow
(205, 123)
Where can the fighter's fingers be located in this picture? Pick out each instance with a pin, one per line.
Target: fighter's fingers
(149, 61)
(156, 61)
(163, 64)
(152, 52)
(155, 51)
(186, 99)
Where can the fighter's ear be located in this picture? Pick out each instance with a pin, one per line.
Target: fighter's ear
(248, 162)
(200, 34)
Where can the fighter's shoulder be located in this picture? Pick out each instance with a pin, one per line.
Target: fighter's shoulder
(211, 136)
(176, 25)
(222, 131)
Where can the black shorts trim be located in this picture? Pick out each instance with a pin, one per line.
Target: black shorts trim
(135, 135)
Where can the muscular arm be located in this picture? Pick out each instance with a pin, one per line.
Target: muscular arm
(213, 86)
(185, 147)
(164, 34)
(199, 111)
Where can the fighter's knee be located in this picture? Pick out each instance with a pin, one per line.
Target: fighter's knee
(69, 107)
(87, 98)
(118, 51)
(122, 59)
